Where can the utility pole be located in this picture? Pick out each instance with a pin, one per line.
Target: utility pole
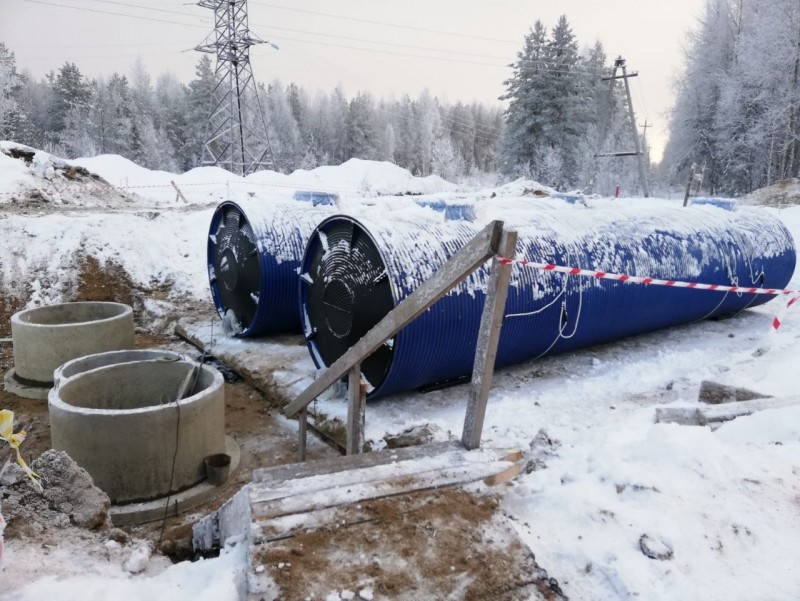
(645, 147)
(619, 64)
(236, 131)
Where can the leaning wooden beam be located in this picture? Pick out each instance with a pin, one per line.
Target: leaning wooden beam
(465, 261)
(718, 414)
(488, 338)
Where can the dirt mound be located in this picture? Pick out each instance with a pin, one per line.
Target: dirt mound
(55, 182)
(68, 498)
(782, 193)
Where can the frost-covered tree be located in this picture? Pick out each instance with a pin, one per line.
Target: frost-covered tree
(737, 109)
(362, 130)
(287, 143)
(71, 92)
(446, 162)
(524, 122)
(387, 144)
(110, 115)
(199, 104)
(554, 117)
(12, 119)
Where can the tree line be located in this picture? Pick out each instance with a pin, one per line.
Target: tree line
(161, 124)
(559, 116)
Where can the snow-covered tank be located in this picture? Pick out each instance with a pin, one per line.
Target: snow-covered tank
(355, 271)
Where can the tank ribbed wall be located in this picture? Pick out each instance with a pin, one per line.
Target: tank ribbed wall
(254, 252)
(546, 312)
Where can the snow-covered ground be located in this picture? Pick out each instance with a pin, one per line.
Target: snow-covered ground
(725, 503)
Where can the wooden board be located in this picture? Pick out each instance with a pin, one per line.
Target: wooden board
(333, 497)
(280, 473)
(718, 414)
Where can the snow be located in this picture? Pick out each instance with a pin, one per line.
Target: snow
(218, 579)
(725, 502)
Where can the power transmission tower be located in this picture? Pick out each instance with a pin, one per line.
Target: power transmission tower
(236, 130)
(619, 64)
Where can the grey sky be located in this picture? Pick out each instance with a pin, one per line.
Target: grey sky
(649, 34)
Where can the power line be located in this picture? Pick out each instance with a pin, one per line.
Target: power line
(143, 7)
(543, 64)
(107, 12)
(383, 23)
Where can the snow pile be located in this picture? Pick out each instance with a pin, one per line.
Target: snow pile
(219, 579)
(367, 178)
(212, 184)
(13, 174)
(122, 172)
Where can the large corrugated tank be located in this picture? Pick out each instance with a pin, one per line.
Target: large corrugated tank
(254, 253)
(354, 272)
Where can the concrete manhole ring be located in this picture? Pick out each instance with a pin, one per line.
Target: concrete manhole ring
(123, 425)
(46, 337)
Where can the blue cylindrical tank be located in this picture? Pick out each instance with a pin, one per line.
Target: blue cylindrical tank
(254, 253)
(354, 272)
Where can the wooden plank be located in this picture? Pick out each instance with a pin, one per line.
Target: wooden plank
(355, 411)
(718, 414)
(488, 338)
(262, 492)
(512, 471)
(337, 464)
(283, 527)
(435, 479)
(464, 262)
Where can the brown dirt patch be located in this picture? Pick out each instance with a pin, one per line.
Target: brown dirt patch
(109, 282)
(453, 545)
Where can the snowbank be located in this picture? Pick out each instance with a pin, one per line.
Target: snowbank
(219, 579)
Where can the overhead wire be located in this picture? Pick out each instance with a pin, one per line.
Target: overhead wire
(107, 12)
(383, 23)
(545, 65)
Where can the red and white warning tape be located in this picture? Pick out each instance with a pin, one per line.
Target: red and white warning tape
(631, 279)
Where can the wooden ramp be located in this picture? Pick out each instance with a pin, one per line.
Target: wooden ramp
(300, 521)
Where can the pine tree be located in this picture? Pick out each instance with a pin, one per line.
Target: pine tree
(524, 122)
(199, 104)
(71, 92)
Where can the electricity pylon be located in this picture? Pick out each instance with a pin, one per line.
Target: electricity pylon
(236, 131)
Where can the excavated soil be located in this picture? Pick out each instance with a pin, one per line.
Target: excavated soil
(454, 546)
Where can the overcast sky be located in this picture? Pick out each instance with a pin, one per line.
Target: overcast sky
(368, 45)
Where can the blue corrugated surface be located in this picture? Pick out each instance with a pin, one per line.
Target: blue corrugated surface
(280, 231)
(549, 313)
(729, 204)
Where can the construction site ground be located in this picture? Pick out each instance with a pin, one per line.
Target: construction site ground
(454, 544)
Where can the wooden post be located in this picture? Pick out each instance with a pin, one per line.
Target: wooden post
(689, 185)
(302, 420)
(180, 194)
(488, 337)
(356, 405)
